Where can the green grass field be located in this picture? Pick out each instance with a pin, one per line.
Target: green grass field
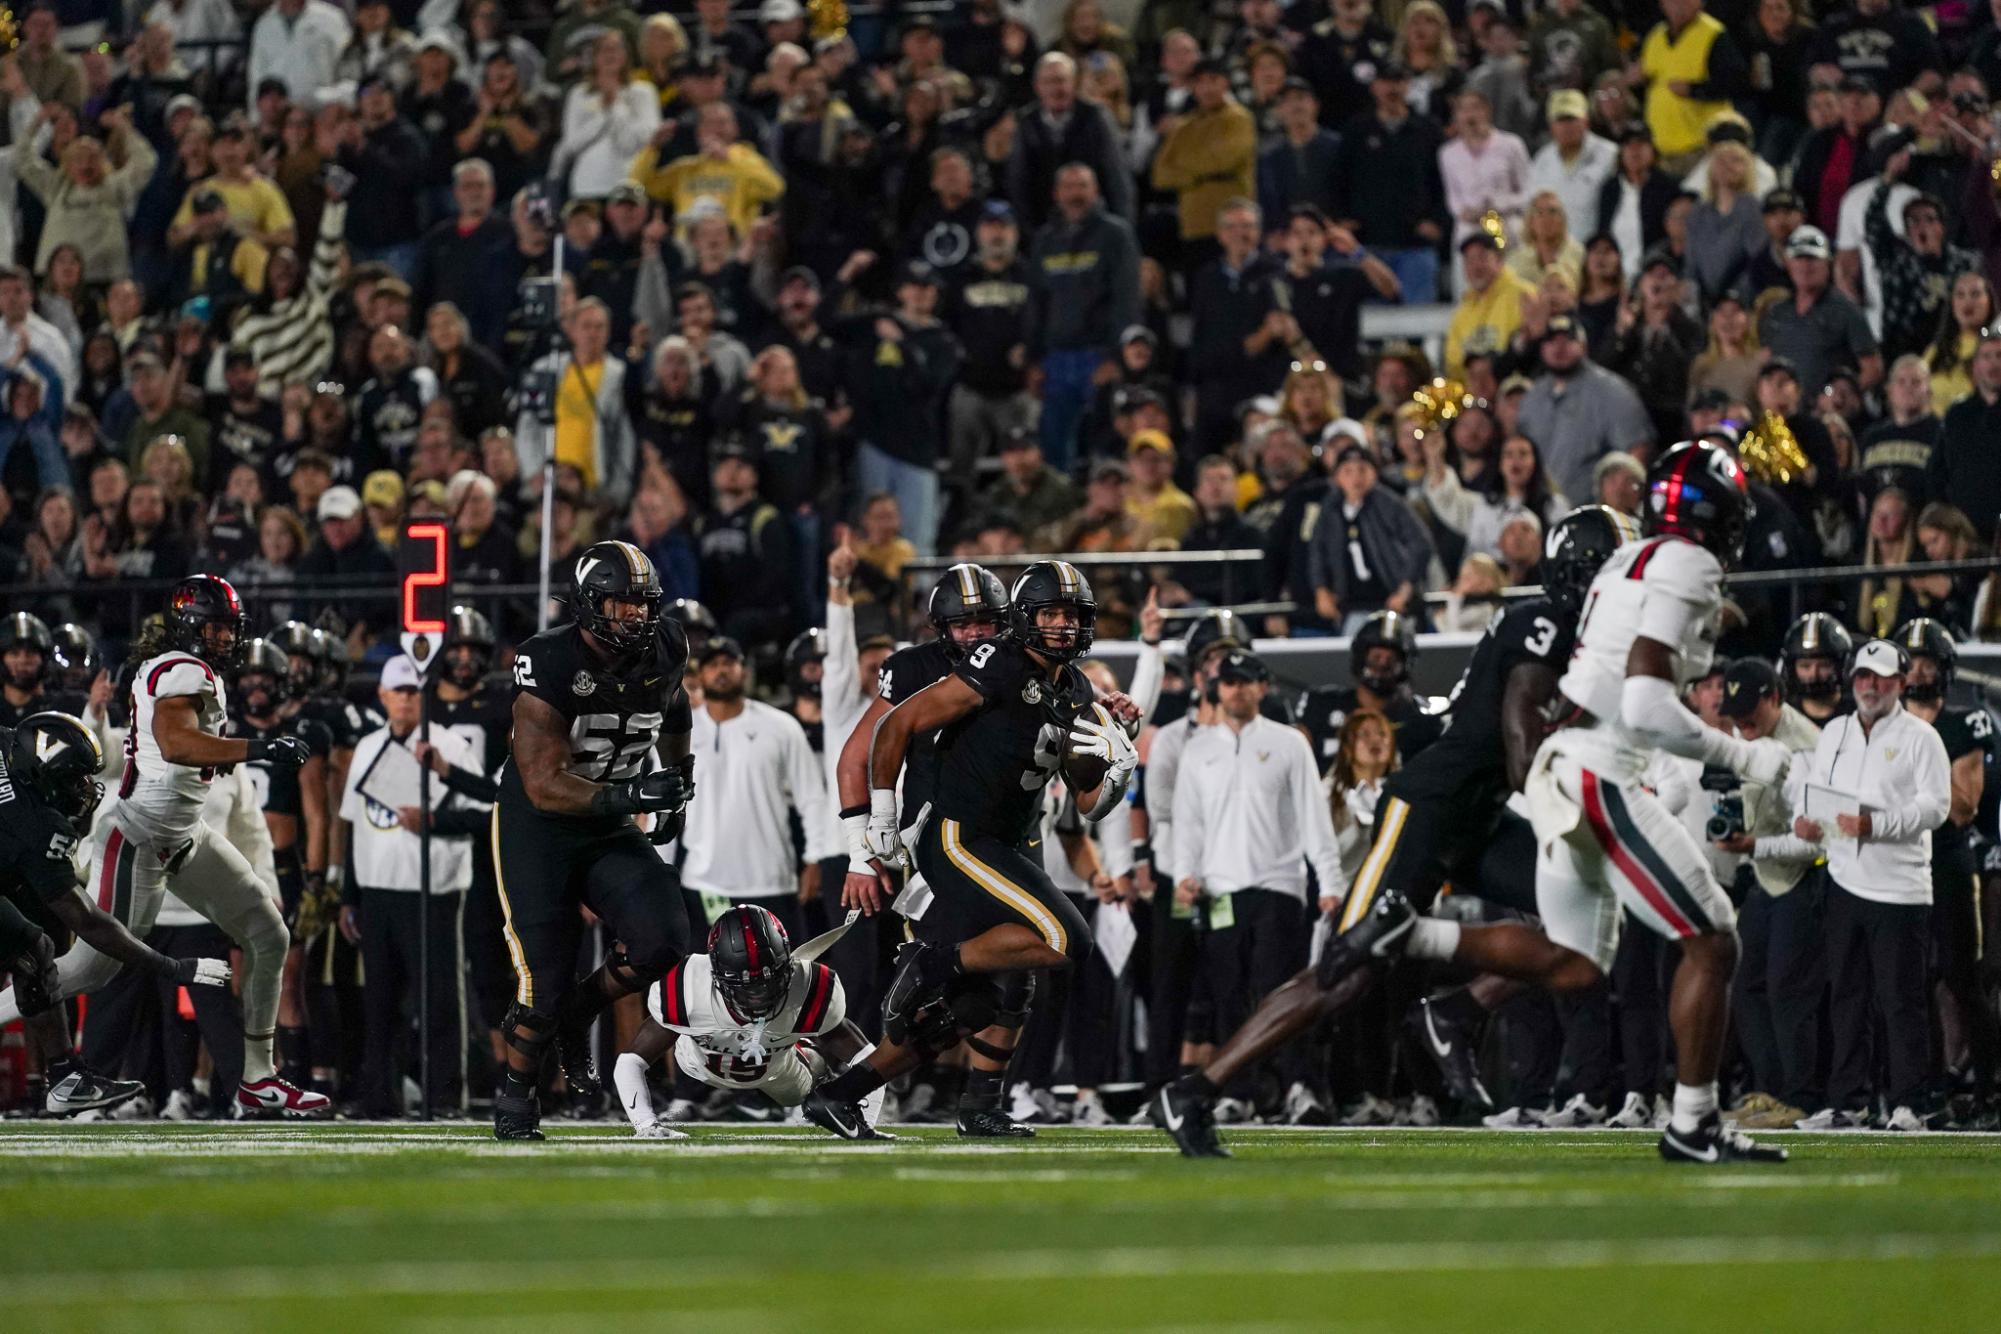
(350, 1227)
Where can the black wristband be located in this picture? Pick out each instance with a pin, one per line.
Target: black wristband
(256, 749)
(1143, 852)
(612, 799)
(847, 811)
(163, 966)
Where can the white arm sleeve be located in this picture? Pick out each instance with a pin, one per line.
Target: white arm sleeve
(630, 1076)
(840, 673)
(1650, 707)
(1149, 672)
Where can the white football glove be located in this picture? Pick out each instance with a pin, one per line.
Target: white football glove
(203, 973)
(1766, 761)
(1097, 735)
(881, 838)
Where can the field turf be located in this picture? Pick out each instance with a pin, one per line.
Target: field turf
(355, 1227)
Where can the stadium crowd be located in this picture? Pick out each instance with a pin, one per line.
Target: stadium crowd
(989, 279)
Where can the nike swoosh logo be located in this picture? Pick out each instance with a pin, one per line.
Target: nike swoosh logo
(633, 1102)
(1711, 1154)
(1167, 1114)
(1440, 1049)
(1392, 938)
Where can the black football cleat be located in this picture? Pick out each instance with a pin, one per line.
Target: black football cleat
(1188, 1119)
(1380, 936)
(516, 1118)
(573, 1051)
(909, 990)
(1715, 1142)
(1455, 1048)
(845, 1119)
(991, 1123)
(74, 1087)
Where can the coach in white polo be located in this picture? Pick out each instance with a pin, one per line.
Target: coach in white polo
(754, 770)
(1878, 914)
(1249, 816)
(381, 905)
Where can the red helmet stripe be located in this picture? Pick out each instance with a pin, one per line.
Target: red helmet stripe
(746, 923)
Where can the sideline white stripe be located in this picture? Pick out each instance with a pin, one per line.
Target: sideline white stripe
(488, 1278)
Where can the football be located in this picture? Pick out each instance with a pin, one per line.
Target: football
(1082, 773)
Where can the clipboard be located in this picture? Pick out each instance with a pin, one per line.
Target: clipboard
(1824, 803)
(394, 779)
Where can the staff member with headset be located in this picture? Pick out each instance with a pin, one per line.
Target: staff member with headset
(1879, 894)
(381, 909)
(1783, 969)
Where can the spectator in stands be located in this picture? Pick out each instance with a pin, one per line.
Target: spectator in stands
(34, 414)
(1342, 56)
(508, 129)
(1102, 522)
(1728, 363)
(1965, 465)
(1517, 484)
(1878, 41)
(1217, 526)
(1207, 158)
(1575, 163)
(1058, 132)
(1970, 307)
(1653, 342)
(1726, 229)
(384, 153)
(722, 168)
(1633, 202)
(1490, 308)
(1029, 494)
(460, 255)
(22, 332)
(897, 372)
(1084, 287)
(1915, 271)
(1241, 336)
(1545, 244)
(89, 202)
(591, 431)
(987, 308)
(1692, 68)
(346, 548)
(1162, 512)
(1388, 190)
(1570, 46)
(574, 35)
(52, 74)
(1578, 411)
(1300, 165)
(378, 46)
(156, 412)
(1818, 329)
(748, 555)
(1485, 170)
(606, 120)
(1369, 552)
(298, 43)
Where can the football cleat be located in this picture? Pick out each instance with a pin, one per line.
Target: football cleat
(274, 1099)
(573, 1052)
(1904, 1119)
(1370, 1111)
(1381, 934)
(909, 990)
(1515, 1118)
(845, 1119)
(74, 1087)
(658, 1130)
(1304, 1108)
(1714, 1142)
(1834, 1118)
(1455, 1048)
(1188, 1119)
(1090, 1112)
(1636, 1114)
(516, 1118)
(991, 1123)
(1421, 1111)
(1580, 1113)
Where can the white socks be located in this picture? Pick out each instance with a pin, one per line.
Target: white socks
(1432, 938)
(1691, 1104)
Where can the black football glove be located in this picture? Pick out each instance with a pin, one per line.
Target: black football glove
(280, 752)
(35, 981)
(665, 790)
(667, 826)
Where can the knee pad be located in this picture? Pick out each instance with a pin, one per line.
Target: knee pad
(973, 1002)
(633, 961)
(527, 1031)
(619, 967)
(1016, 995)
(933, 1030)
(265, 929)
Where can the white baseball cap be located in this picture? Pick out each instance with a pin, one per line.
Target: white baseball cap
(1879, 657)
(399, 673)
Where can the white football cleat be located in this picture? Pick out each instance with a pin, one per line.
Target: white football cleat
(1637, 1114)
(276, 1099)
(1577, 1114)
(1090, 1112)
(658, 1130)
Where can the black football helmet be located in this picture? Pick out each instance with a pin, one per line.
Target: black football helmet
(620, 571)
(966, 592)
(808, 649)
(264, 669)
(1219, 629)
(335, 662)
(468, 630)
(1816, 635)
(205, 618)
(1578, 544)
(76, 658)
(305, 650)
(697, 622)
(1383, 629)
(1923, 637)
(24, 631)
(1053, 583)
(751, 957)
(1696, 491)
(58, 759)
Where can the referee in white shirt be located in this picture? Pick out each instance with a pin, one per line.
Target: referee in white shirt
(382, 911)
(1878, 913)
(1249, 816)
(756, 771)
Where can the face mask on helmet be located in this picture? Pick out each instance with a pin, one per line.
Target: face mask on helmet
(259, 693)
(1825, 690)
(23, 667)
(465, 665)
(1924, 692)
(1383, 671)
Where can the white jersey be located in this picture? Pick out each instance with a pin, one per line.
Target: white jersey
(734, 1052)
(162, 801)
(1667, 589)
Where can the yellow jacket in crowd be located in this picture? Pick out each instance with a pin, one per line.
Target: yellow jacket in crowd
(741, 181)
(1209, 159)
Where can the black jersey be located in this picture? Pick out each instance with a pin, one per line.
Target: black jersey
(483, 720)
(994, 763)
(615, 719)
(36, 843)
(1965, 732)
(277, 786)
(1324, 710)
(903, 674)
(345, 722)
(1470, 758)
(61, 701)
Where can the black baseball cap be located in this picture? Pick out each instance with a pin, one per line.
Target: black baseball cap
(1745, 682)
(1351, 453)
(918, 273)
(719, 646)
(1481, 238)
(1561, 326)
(799, 273)
(1782, 198)
(1242, 665)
